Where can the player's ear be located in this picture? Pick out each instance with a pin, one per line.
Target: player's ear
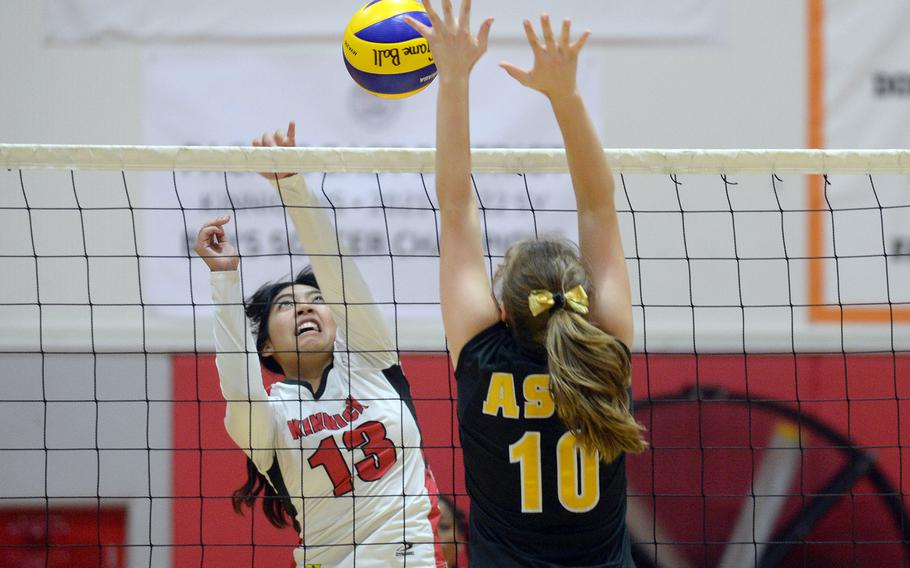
(503, 316)
(267, 349)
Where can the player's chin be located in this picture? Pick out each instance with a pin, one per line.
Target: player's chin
(314, 342)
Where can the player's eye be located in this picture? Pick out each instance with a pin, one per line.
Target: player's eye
(284, 304)
(318, 299)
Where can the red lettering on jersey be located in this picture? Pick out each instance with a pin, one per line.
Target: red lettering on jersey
(320, 421)
(330, 423)
(316, 422)
(352, 409)
(294, 427)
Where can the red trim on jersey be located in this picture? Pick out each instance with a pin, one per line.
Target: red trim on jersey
(435, 515)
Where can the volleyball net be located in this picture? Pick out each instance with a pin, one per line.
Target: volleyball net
(771, 295)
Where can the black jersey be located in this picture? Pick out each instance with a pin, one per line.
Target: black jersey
(537, 498)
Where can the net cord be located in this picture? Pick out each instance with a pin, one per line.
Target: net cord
(402, 160)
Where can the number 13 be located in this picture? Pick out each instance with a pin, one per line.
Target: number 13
(371, 438)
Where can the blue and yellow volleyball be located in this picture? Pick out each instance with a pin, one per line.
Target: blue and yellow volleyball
(385, 55)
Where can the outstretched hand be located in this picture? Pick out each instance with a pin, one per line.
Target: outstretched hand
(455, 50)
(214, 247)
(555, 60)
(278, 138)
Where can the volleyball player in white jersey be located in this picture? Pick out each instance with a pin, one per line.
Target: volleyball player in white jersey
(338, 434)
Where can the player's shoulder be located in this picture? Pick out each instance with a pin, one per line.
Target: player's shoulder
(497, 347)
(487, 343)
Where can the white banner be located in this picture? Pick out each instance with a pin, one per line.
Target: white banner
(867, 105)
(218, 100)
(297, 20)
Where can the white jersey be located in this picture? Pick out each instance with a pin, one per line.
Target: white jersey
(350, 454)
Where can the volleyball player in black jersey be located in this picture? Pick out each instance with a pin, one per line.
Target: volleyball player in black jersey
(543, 368)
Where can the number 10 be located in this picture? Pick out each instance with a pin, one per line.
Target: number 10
(577, 493)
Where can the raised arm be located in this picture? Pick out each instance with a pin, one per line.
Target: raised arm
(468, 306)
(248, 418)
(343, 287)
(553, 74)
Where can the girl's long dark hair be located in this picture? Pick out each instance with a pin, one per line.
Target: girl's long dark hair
(276, 503)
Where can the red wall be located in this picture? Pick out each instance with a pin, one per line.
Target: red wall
(705, 455)
(862, 397)
(74, 537)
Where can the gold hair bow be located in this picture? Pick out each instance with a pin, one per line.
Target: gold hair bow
(542, 300)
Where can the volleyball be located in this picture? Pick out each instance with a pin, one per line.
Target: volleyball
(384, 55)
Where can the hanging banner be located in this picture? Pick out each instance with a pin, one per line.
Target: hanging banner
(294, 20)
(865, 97)
(228, 100)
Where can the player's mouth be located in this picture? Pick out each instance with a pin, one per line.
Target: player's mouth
(308, 326)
